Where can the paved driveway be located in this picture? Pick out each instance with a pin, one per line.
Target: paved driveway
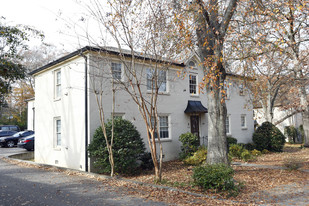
(30, 186)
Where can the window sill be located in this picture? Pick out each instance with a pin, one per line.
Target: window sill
(164, 140)
(57, 99)
(228, 134)
(195, 95)
(159, 93)
(244, 128)
(57, 149)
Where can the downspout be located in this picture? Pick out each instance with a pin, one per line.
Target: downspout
(86, 110)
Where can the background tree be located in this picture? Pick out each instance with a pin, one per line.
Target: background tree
(280, 28)
(12, 40)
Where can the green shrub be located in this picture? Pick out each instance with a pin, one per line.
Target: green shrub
(246, 155)
(198, 157)
(291, 133)
(190, 144)
(269, 137)
(127, 148)
(235, 150)
(302, 133)
(249, 146)
(265, 151)
(231, 140)
(256, 152)
(215, 176)
(146, 161)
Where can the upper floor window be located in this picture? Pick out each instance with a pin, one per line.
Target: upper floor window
(241, 89)
(116, 70)
(192, 84)
(243, 121)
(227, 89)
(192, 65)
(57, 84)
(161, 80)
(228, 125)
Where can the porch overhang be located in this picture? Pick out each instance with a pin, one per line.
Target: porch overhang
(195, 107)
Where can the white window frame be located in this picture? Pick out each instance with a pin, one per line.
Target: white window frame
(228, 126)
(57, 132)
(227, 89)
(57, 84)
(161, 127)
(116, 74)
(192, 64)
(150, 81)
(241, 89)
(191, 85)
(243, 121)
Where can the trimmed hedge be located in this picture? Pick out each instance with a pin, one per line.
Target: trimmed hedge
(128, 147)
(269, 137)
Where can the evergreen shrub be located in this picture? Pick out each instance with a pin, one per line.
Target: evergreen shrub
(269, 137)
(190, 144)
(128, 147)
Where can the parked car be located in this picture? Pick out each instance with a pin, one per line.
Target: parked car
(26, 143)
(7, 133)
(11, 141)
(9, 128)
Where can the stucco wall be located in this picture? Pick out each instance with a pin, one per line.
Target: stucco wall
(70, 108)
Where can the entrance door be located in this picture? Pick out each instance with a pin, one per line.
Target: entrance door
(195, 128)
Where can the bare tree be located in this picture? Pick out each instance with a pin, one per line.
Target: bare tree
(140, 30)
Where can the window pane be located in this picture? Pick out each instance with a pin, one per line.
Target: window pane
(58, 132)
(227, 124)
(164, 127)
(116, 70)
(192, 84)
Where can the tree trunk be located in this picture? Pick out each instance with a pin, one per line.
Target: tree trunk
(217, 144)
(305, 114)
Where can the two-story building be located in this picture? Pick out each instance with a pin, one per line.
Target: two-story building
(66, 111)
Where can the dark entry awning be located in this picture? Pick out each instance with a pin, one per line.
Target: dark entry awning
(195, 107)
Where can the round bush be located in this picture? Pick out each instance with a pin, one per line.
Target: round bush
(269, 137)
(190, 144)
(128, 147)
(215, 176)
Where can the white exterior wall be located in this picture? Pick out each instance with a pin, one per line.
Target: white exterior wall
(70, 108)
(295, 120)
(30, 115)
(238, 105)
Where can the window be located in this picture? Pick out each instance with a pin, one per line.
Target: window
(57, 84)
(163, 127)
(192, 84)
(118, 115)
(57, 132)
(243, 122)
(228, 125)
(192, 65)
(241, 89)
(116, 71)
(227, 89)
(161, 80)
